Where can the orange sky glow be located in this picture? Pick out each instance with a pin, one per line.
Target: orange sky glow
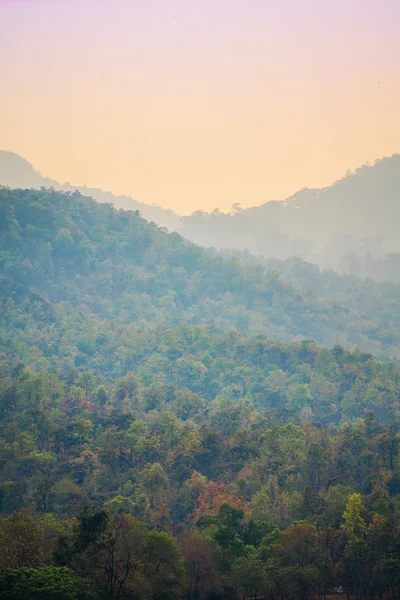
(193, 105)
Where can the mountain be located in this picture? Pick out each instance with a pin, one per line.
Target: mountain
(350, 225)
(16, 172)
(115, 264)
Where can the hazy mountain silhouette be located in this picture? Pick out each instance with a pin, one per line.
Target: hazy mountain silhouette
(347, 225)
(16, 172)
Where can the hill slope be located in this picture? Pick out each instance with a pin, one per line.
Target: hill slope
(117, 265)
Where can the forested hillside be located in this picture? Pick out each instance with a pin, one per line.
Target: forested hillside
(375, 301)
(149, 450)
(117, 265)
(180, 463)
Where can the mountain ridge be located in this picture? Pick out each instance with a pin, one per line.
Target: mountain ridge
(350, 226)
(17, 172)
(341, 226)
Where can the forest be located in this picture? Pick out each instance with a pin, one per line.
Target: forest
(181, 423)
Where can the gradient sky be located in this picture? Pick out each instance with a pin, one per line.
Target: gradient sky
(193, 104)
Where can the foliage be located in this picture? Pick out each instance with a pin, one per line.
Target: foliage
(46, 583)
(140, 460)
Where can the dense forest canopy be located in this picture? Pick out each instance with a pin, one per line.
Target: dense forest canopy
(170, 429)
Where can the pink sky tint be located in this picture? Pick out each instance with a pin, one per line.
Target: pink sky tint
(30, 1)
(199, 104)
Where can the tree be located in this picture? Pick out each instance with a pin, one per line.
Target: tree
(357, 566)
(20, 540)
(115, 555)
(249, 575)
(44, 495)
(200, 563)
(354, 524)
(163, 566)
(46, 583)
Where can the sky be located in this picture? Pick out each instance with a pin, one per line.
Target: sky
(196, 104)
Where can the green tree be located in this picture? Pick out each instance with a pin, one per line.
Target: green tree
(354, 523)
(46, 583)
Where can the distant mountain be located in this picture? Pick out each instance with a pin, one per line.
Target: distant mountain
(347, 225)
(16, 172)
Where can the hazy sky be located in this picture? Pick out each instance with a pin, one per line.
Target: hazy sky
(194, 104)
